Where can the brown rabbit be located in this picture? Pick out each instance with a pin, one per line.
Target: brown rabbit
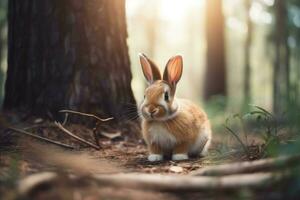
(171, 126)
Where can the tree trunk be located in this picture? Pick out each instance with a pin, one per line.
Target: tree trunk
(281, 79)
(68, 54)
(247, 72)
(3, 24)
(215, 77)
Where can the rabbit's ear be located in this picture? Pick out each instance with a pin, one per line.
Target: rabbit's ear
(173, 70)
(150, 70)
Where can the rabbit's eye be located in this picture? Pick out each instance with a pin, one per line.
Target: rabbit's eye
(166, 96)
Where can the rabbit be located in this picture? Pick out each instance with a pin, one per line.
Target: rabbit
(171, 126)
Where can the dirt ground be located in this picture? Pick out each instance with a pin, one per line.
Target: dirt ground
(124, 150)
(129, 156)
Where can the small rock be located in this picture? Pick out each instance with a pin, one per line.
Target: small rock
(176, 169)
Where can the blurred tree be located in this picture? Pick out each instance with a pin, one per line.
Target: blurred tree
(281, 78)
(294, 45)
(68, 54)
(215, 75)
(247, 71)
(3, 25)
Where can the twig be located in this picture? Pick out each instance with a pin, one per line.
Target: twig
(86, 114)
(96, 138)
(40, 138)
(249, 166)
(75, 136)
(65, 119)
(95, 134)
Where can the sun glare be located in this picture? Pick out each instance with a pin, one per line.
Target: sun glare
(259, 15)
(173, 10)
(169, 10)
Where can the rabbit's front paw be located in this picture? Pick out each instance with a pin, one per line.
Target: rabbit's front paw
(180, 157)
(155, 157)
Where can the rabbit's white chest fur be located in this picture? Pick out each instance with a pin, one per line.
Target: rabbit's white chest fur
(161, 136)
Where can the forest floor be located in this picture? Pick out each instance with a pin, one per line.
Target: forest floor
(125, 153)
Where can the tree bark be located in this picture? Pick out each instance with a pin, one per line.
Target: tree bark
(281, 79)
(68, 54)
(215, 76)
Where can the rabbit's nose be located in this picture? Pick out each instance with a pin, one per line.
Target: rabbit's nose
(153, 111)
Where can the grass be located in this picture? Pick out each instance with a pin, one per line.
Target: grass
(256, 126)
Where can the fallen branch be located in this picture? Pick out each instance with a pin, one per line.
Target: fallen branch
(40, 138)
(166, 183)
(75, 136)
(189, 183)
(249, 166)
(86, 114)
(31, 182)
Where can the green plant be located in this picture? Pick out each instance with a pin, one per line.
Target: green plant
(258, 120)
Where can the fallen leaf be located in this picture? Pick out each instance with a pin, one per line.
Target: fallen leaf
(111, 135)
(38, 120)
(176, 169)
